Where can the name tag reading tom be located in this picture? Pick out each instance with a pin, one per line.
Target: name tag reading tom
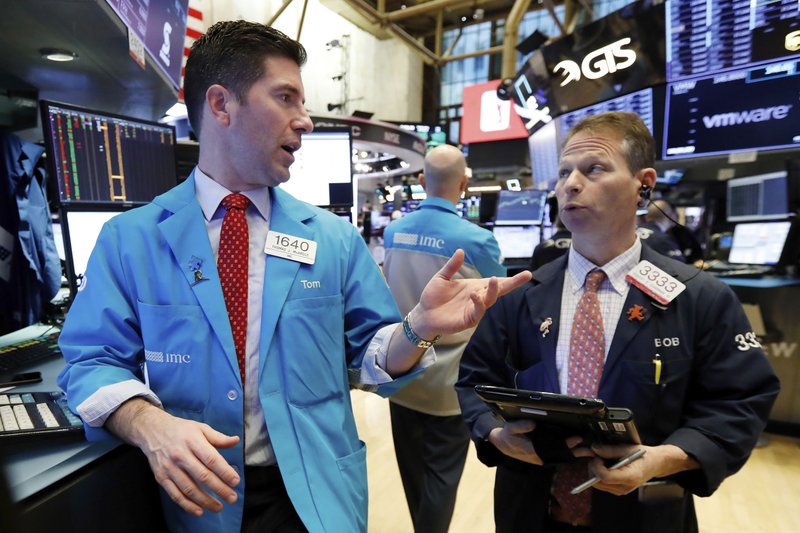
(291, 247)
(654, 282)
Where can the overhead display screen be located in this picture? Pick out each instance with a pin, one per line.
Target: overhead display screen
(616, 55)
(708, 37)
(752, 109)
(161, 26)
(639, 102)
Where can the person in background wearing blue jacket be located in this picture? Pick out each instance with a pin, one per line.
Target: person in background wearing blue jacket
(430, 437)
(668, 342)
(149, 345)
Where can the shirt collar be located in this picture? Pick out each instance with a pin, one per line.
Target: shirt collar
(441, 203)
(210, 194)
(616, 269)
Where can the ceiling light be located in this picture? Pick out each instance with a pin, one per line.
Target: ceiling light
(58, 54)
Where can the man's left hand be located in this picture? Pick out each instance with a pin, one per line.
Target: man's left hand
(450, 305)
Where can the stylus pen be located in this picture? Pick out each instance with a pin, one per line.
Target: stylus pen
(594, 480)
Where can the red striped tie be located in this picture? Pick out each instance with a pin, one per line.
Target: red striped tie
(232, 266)
(586, 358)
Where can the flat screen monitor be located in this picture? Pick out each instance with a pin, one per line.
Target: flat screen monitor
(759, 243)
(711, 37)
(516, 242)
(80, 227)
(322, 171)
(487, 208)
(161, 27)
(520, 207)
(102, 157)
(753, 109)
(670, 176)
(761, 197)
(639, 102)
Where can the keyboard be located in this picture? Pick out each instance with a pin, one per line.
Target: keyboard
(25, 353)
(725, 269)
(36, 415)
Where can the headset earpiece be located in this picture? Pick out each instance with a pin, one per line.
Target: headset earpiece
(644, 193)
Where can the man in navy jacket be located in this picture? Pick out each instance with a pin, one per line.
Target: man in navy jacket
(679, 353)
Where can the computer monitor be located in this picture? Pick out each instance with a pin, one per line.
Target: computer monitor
(487, 207)
(80, 227)
(760, 197)
(639, 102)
(743, 110)
(322, 171)
(713, 37)
(520, 207)
(670, 176)
(759, 243)
(517, 242)
(102, 157)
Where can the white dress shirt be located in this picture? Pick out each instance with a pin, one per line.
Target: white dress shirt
(611, 295)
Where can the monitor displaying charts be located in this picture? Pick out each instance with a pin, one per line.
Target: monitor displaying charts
(520, 207)
(516, 242)
(100, 157)
(759, 243)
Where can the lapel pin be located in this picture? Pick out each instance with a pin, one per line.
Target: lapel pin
(544, 328)
(636, 312)
(194, 265)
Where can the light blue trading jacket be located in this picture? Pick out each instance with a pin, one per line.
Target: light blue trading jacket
(140, 295)
(417, 246)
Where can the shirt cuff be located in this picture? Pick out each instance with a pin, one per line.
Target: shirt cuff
(96, 409)
(374, 363)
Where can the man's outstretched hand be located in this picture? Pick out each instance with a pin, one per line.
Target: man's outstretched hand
(450, 305)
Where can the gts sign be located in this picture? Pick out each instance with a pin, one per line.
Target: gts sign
(605, 60)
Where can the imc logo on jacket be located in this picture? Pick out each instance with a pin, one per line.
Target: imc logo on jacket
(423, 241)
(161, 357)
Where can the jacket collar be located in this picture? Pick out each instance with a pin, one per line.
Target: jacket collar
(187, 237)
(438, 203)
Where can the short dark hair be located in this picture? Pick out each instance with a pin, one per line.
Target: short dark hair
(231, 54)
(638, 145)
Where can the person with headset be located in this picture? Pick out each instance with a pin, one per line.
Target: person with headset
(668, 342)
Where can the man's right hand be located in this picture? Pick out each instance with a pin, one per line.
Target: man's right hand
(182, 454)
(513, 441)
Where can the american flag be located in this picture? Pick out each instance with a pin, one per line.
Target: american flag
(195, 27)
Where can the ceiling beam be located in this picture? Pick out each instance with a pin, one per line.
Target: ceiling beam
(277, 14)
(511, 37)
(427, 7)
(377, 18)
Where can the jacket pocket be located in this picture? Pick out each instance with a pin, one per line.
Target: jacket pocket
(178, 345)
(310, 341)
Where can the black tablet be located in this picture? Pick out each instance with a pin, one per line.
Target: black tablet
(561, 415)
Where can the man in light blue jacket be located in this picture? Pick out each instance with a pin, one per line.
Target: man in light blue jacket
(431, 439)
(150, 350)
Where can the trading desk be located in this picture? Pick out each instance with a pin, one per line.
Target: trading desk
(76, 486)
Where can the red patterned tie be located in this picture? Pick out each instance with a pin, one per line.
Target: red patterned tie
(586, 359)
(232, 266)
